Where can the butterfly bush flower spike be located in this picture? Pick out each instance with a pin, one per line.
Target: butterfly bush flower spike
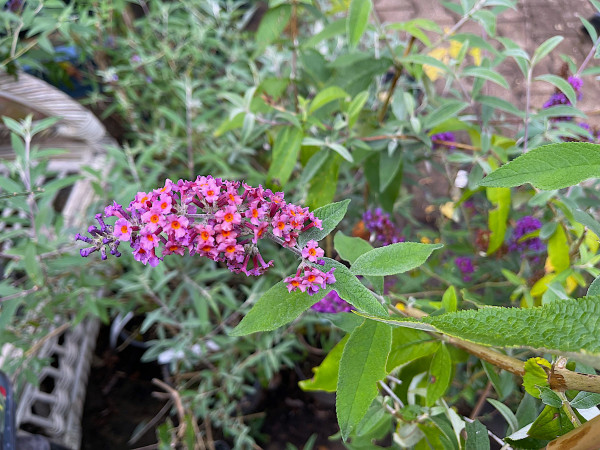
(332, 303)
(218, 219)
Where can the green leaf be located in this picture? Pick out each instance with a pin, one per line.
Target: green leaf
(589, 28)
(486, 74)
(271, 27)
(8, 309)
(322, 188)
(587, 220)
(32, 265)
(327, 95)
(332, 29)
(585, 400)
(326, 375)
(551, 423)
(341, 150)
(594, 288)
(545, 48)
(388, 168)
(549, 397)
(448, 110)
(350, 248)
(500, 104)
(450, 299)
(440, 373)
(393, 259)
(356, 106)
(553, 166)
(477, 436)
(497, 217)
(313, 166)
(358, 18)
(561, 84)
(408, 345)
(424, 59)
(542, 328)
(558, 111)
(276, 308)
(330, 216)
(508, 415)
(361, 367)
(285, 154)
(353, 291)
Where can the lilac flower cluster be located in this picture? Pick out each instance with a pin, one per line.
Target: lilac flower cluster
(558, 98)
(524, 226)
(332, 303)
(465, 265)
(209, 217)
(448, 136)
(380, 226)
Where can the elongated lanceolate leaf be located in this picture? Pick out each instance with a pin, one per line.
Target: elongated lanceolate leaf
(358, 18)
(568, 327)
(330, 215)
(362, 366)
(275, 308)
(353, 291)
(326, 375)
(553, 166)
(393, 259)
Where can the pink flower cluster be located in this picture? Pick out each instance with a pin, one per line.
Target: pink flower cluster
(210, 217)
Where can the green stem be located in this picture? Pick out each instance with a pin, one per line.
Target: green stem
(566, 406)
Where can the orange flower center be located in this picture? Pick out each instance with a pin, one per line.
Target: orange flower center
(175, 225)
(155, 218)
(210, 193)
(281, 225)
(230, 248)
(255, 213)
(150, 237)
(124, 229)
(172, 248)
(312, 252)
(204, 235)
(295, 283)
(164, 205)
(206, 248)
(311, 278)
(228, 217)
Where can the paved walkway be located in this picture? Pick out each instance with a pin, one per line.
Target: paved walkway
(532, 23)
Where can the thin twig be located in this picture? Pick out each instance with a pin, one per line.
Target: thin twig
(481, 401)
(178, 405)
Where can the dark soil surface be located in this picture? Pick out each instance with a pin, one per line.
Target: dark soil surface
(119, 398)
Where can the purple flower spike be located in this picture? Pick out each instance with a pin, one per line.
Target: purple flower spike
(465, 265)
(447, 136)
(85, 252)
(332, 303)
(379, 224)
(526, 225)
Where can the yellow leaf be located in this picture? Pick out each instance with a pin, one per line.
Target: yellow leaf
(541, 285)
(433, 72)
(455, 47)
(591, 240)
(447, 210)
(571, 284)
(558, 250)
(476, 55)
